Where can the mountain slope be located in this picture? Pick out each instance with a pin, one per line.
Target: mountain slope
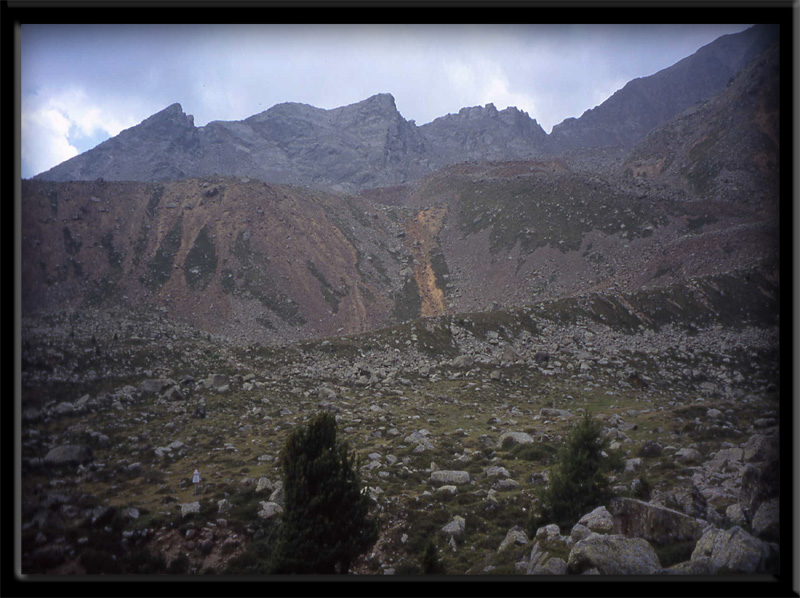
(725, 148)
(251, 260)
(644, 103)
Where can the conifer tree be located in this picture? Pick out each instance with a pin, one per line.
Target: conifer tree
(325, 523)
(578, 482)
(431, 562)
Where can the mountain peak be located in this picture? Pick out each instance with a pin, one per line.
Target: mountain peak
(171, 114)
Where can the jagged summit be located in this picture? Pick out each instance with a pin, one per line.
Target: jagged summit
(370, 144)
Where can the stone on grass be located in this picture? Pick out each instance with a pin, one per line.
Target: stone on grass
(269, 509)
(515, 535)
(450, 477)
(511, 438)
(68, 454)
(190, 508)
(456, 527)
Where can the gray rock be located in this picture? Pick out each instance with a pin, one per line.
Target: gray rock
(456, 527)
(766, 521)
(735, 514)
(506, 485)
(734, 549)
(455, 478)
(277, 494)
(599, 521)
(511, 438)
(263, 485)
(651, 448)
(652, 522)
(495, 471)
(542, 563)
(688, 455)
(761, 449)
(68, 454)
(613, 555)
(191, 508)
(515, 535)
(65, 408)
(549, 537)
(173, 393)
(269, 509)
(700, 566)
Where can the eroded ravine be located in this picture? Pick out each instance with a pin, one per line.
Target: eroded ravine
(422, 241)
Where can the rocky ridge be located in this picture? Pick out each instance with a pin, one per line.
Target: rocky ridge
(369, 144)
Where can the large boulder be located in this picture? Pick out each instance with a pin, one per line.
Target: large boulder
(613, 554)
(69, 454)
(542, 562)
(685, 497)
(654, 523)
(732, 550)
(759, 483)
(511, 438)
(448, 477)
(766, 521)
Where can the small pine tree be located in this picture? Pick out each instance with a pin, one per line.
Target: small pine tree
(431, 563)
(325, 523)
(578, 481)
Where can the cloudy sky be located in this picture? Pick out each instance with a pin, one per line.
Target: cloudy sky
(81, 84)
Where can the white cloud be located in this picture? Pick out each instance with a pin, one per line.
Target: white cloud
(59, 125)
(45, 141)
(481, 82)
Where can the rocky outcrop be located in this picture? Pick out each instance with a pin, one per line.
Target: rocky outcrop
(639, 519)
(732, 550)
(613, 555)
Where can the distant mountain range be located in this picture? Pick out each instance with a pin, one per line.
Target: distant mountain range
(428, 228)
(369, 144)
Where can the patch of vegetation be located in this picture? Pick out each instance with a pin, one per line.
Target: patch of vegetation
(440, 270)
(201, 261)
(52, 195)
(332, 296)
(141, 243)
(257, 283)
(71, 245)
(155, 199)
(542, 452)
(159, 268)
(407, 302)
(115, 257)
(537, 211)
(673, 553)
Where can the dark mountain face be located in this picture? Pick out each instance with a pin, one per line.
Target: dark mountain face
(369, 144)
(727, 147)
